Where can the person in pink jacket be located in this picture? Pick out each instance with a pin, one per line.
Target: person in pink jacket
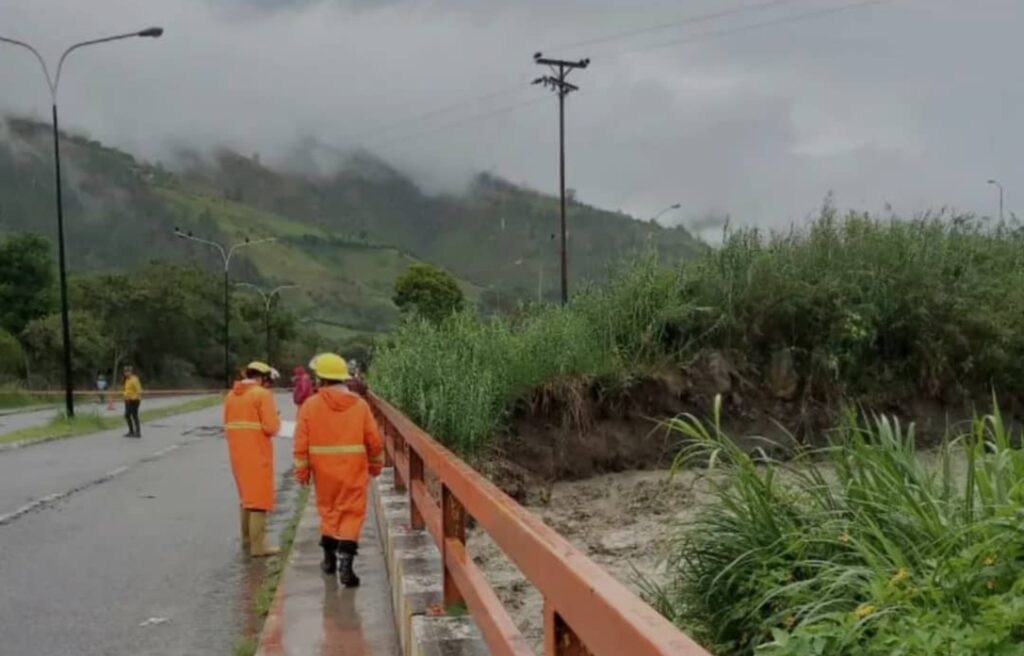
(303, 386)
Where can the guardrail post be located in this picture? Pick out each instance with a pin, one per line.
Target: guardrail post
(389, 442)
(559, 638)
(399, 448)
(453, 521)
(415, 475)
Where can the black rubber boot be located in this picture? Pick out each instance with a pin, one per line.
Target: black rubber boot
(346, 555)
(329, 565)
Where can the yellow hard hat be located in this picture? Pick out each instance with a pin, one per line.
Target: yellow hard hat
(330, 366)
(261, 367)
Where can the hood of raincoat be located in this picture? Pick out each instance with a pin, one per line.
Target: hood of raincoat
(243, 386)
(338, 398)
(299, 371)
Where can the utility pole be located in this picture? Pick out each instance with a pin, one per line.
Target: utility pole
(560, 69)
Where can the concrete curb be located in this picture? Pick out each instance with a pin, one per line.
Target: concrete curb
(415, 570)
(21, 444)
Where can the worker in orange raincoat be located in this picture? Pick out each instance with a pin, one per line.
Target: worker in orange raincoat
(250, 420)
(338, 445)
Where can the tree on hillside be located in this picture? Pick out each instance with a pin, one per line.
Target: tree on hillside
(428, 291)
(12, 357)
(89, 348)
(26, 280)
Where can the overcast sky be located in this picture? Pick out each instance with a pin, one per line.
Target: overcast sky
(907, 102)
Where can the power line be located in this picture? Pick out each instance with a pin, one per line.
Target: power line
(519, 88)
(706, 36)
(691, 20)
(497, 93)
(793, 18)
(475, 118)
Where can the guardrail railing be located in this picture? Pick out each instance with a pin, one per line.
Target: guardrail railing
(586, 611)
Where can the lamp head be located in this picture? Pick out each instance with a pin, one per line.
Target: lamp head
(153, 32)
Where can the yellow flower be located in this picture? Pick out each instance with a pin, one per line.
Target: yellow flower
(864, 610)
(789, 622)
(900, 576)
(844, 538)
(990, 561)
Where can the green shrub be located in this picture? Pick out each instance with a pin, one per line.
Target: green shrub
(932, 305)
(864, 547)
(12, 356)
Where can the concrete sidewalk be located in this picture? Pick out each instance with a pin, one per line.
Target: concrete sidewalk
(313, 614)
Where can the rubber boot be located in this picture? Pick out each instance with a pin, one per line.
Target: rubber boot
(346, 555)
(329, 565)
(258, 547)
(243, 515)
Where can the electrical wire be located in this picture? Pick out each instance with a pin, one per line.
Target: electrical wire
(691, 20)
(785, 20)
(521, 87)
(706, 36)
(475, 118)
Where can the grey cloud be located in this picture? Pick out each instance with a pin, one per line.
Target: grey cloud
(909, 102)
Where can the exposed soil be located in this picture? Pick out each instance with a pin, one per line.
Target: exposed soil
(623, 521)
(577, 428)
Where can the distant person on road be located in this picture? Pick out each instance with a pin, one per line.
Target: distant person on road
(250, 421)
(337, 444)
(302, 384)
(101, 385)
(132, 400)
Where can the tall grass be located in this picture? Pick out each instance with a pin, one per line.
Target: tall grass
(863, 547)
(927, 306)
(869, 310)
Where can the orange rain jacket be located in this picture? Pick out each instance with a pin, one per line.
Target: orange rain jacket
(250, 420)
(336, 439)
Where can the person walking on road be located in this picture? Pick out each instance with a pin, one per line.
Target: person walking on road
(302, 384)
(132, 400)
(338, 446)
(250, 421)
(101, 385)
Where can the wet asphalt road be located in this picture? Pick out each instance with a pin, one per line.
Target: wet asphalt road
(101, 534)
(12, 421)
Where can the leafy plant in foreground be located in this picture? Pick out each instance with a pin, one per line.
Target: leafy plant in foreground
(863, 547)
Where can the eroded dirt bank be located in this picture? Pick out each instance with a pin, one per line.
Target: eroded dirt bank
(623, 521)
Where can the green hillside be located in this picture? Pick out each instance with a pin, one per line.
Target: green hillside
(344, 238)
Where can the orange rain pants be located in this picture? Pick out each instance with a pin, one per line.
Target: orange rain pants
(336, 440)
(250, 420)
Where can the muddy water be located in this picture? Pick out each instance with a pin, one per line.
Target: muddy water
(622, 521)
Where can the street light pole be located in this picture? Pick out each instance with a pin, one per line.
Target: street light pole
(268, 301)
(53, 83)
(225, 255)
(657, 216)
(1000, 186)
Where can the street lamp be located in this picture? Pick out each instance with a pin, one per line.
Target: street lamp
(674, 206)
(225, 255)
(996, 183)
(268, 301)
(52, 83)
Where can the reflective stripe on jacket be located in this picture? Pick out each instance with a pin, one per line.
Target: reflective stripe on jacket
(336, 438)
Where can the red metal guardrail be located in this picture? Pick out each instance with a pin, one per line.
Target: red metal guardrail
(586, 611)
